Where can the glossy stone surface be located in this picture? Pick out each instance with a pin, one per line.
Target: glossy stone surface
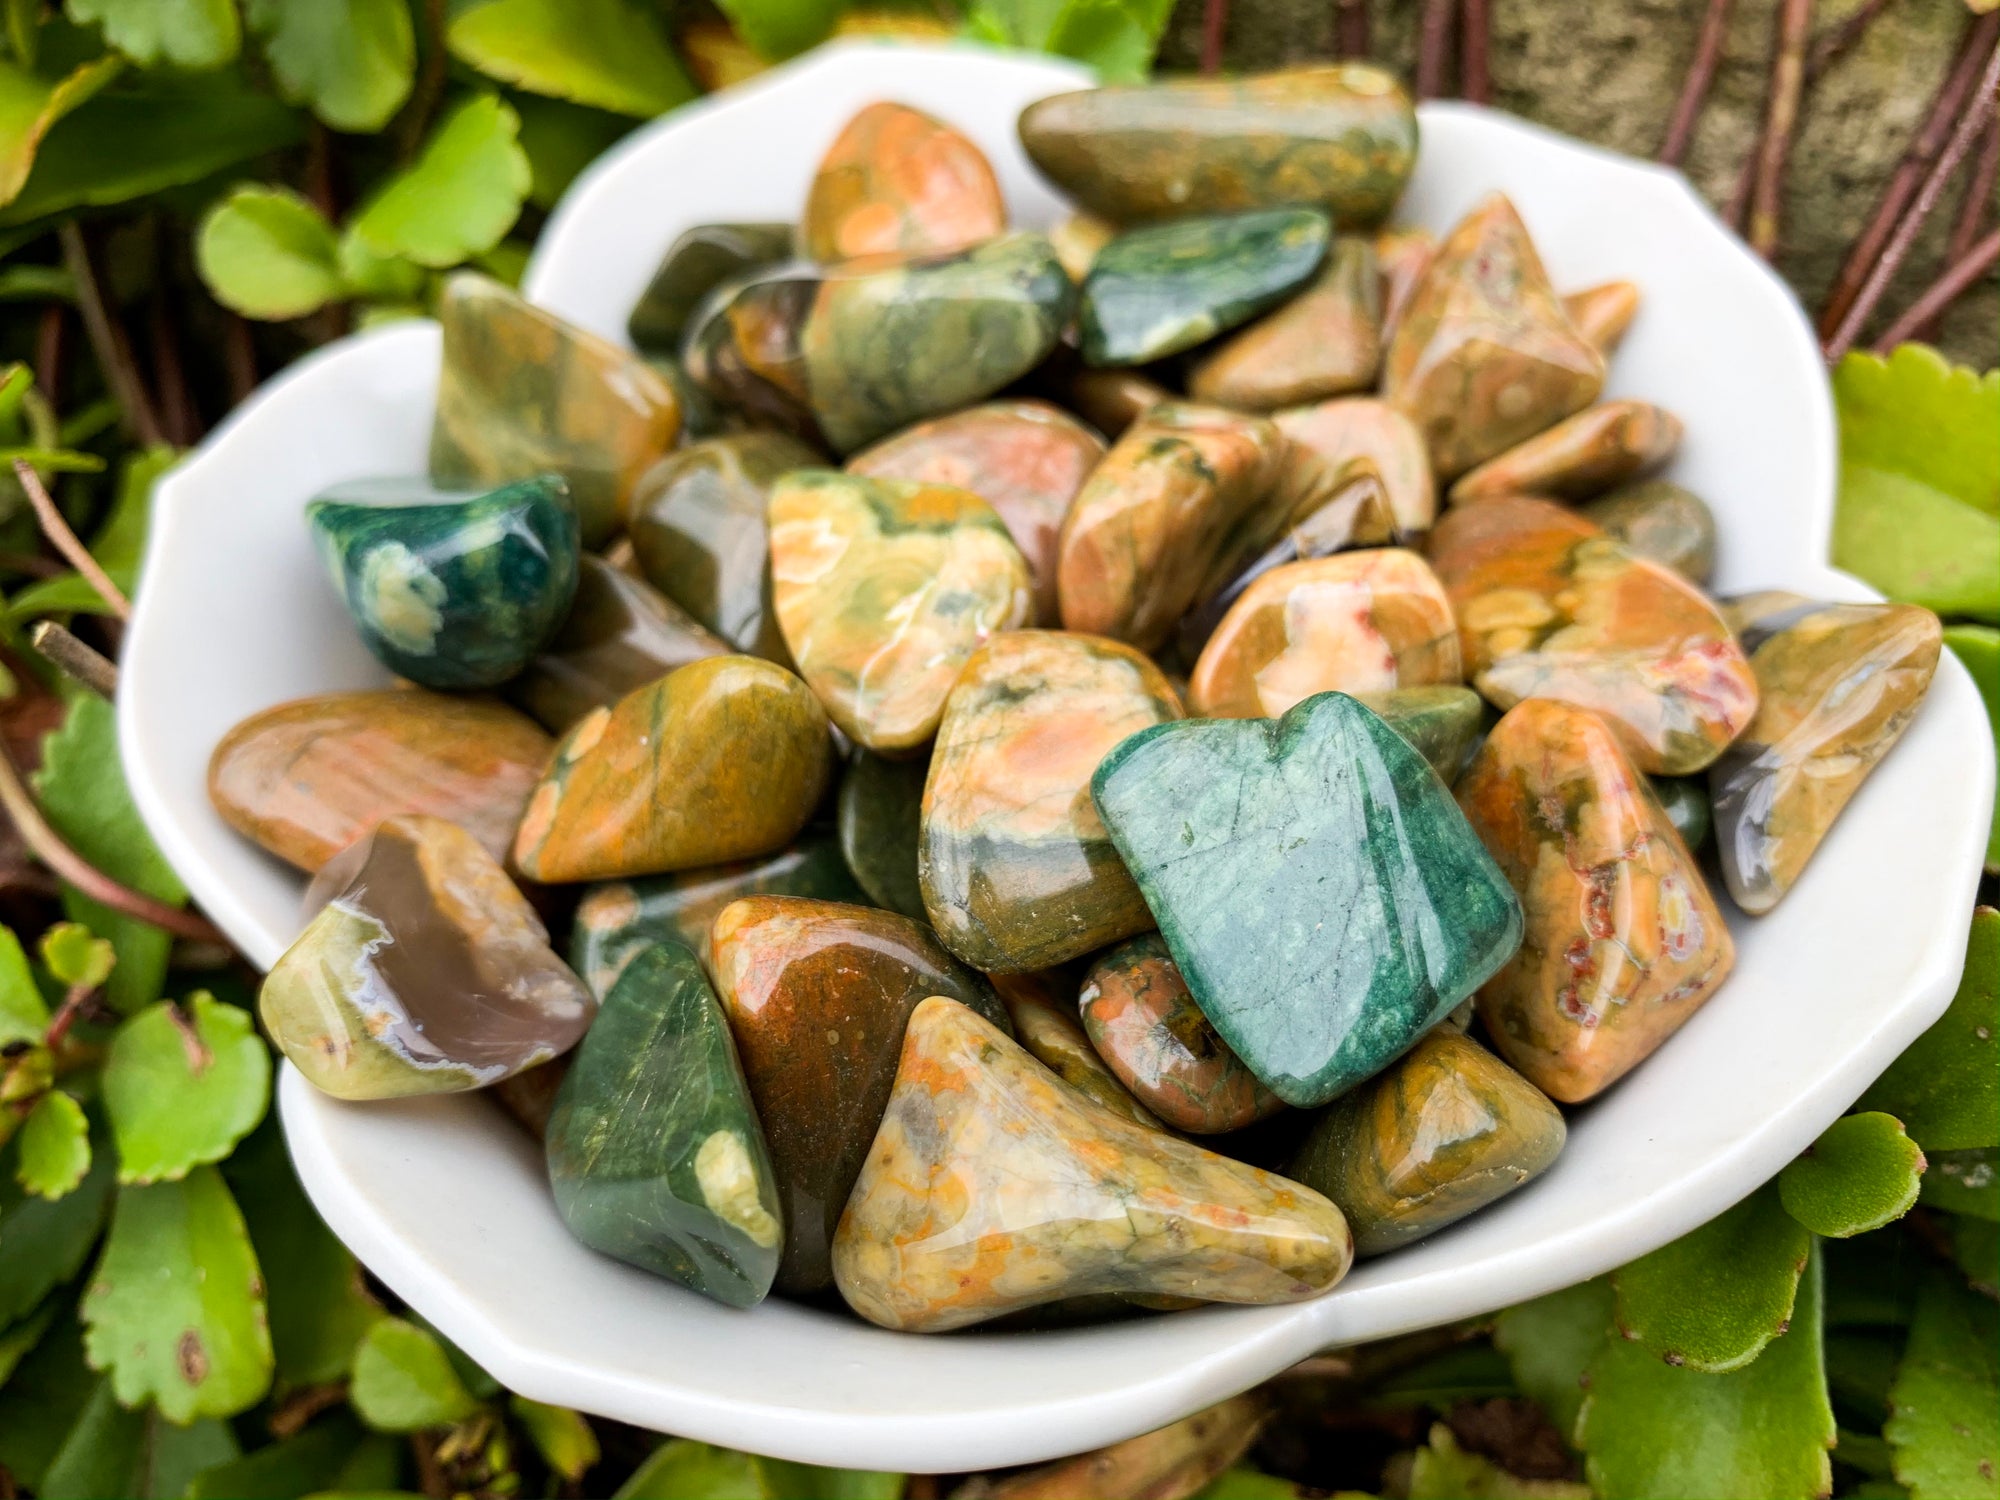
(620, 919)
(744, 346)
(621, 633)
(992, 1186)
(1442, 724)
(1112, 400)
(817, 995)
(655, 1154)
(1026, 459)
(1157, 290)
(1358, 622)
(1153, 520)
(523, 393)
(884, 588)
(1684, 799)
(1017, 870)
(700, 531)
(1078, 239)
(880, 818)
(306, 779)
(1338, 136)
(1045, 1022)
(696, 263)
(1327, 341)
(1402, 256)
(1446, 1130)
(1360, 427)
(1143, 1022)
(740, 746)
(1484, 355)
(1660, 521)
(1839, 684)
(1602, 313)
(1624, 941)
(701, 415)
(885, 346)
(1550, 607)
(895, 181)
(427, 973)
(1597, 449)
(1244, 835)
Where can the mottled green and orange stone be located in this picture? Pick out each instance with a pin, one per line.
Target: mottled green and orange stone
(1624, 942)
(884, 588)
(1550, 607)
(1017, 870)
(1326, 341)
(1361, 427)
(1603, 313)
(739, 746)
(696, 263)
(1670, 525)
(895, 181)
(817, 995)
(1581, 456)
(745, 347)
(1402, 256)
(1043, 1010)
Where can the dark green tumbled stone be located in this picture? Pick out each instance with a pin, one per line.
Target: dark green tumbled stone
(450, 588)
(700, 416)
(880, 815)
(695, 264)
(1158, 290)
(1441, 722)
(1685, 802)
(742, 347)
(1323, 896)
(655, 1154)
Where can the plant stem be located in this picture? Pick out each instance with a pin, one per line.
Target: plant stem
(108, 339)
(239, 358)
(1940, 294)
(1835, 42)
(1701, 73)
(51, 340)
(1214, 30)
(73, 1002)
(56, 529)
(182, 422)
(429, 90)
(74, 658)
(1475, 23)
(1971, 216)
(1434, 47)
(1788, 78)
(1350, 28)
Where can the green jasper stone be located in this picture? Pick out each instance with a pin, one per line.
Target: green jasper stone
(1442, 723)
(1339, 136)
(695, 264)
(700, 415)
(1684, 799)
(889, 346)
(450, 589)
(880, 816)
(742, 347)
(1158, 290)
(1661, 521)
(620, 919)
(700, 533)
(1323, 896)
(655, 1154)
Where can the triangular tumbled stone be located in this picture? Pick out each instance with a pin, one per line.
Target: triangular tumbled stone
(895, 181)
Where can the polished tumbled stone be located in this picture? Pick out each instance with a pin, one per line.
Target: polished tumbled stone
(1043, 1010)
(1442, 724)
(655, 1155)
(1597, 449)
(744, 346)
(880, 820)
(1324, 898)
(1684, 799)
(895, 181)
(1327, 341)
(1603, 312)
(1352, 427)
(1662, 522)
(696, 263)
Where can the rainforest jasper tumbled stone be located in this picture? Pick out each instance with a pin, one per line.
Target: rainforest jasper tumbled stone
(885, 346)
(696, 263)
(1045, 1022)
(992, 1186)
(427, 973)
(1143, 1022)
(1684, 799)
(655, 1154)
(1446, 1130)
(720, 760)
(1602, 313)
(1163, 288)
(1550, 607)
(884, 588)
(523, 393)
(1401, 256)
(1111, 400)
(451, 589)
(306, 779)
(701, 533)
(744, 346)
(1442, 724)
(1026, 459)
(880, 817)
(1078, 239)
(897, 182)
(1017, 870)
(1360, 427)
(1484, 355)
(817, 995)
(1662, 522)
(1839, 684)
(1624, 942)
(1326, 341)
(1244, 835)
(1581, 456)
(1359, 622)
(1337, 136)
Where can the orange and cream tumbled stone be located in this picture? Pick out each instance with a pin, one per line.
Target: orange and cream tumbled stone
(895, 181)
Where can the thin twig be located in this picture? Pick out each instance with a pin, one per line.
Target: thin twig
(1434, 47)
(1788, 78)
(239, 357)
(177, 410)
(1893, 254)
(67, 1014)
(1971, 215)
(108, 339)
(74, 658)
(51, 343)
(1475, 27)
(416, 120)
(56, 529)
(1214, 31)
(1834, 43)
(1701, 73)
(1940, 294)
(1350, 28)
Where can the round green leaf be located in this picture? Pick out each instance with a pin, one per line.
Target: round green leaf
(351, 61)
(1945, 1427)
(1859, 1175)
(24, 1014)
(170, 33)
(380, 277)
(77, 956)
(267, 253)
(53, 1148)
(565, 1440)
(682, 1469)
(1945, 1088)
(403, 1380)
(1979, 648)
(183, 1090)
(608, 53)
(459, 197)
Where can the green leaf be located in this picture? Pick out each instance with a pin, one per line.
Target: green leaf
(1859, 1175)
(1979, 648)
(1445, 1471)
(1946, 1087)
(1469, 1372)
(1712, 1299)
(367, 274)
(30, 104)
(1650, 1429)
(1919, 513)
(805, 1482)
(1550, 1343)
(44, 1243)
(76, 956)
(188, 34)
(24, 1015)
(781, 28)
(42, 1402)
(82, 789)
(53, 1147)
(1860, 1363)
(1250, 1484)
(565, 1440)
(65, 594)
(335, 1454)
(18, 1341)
(606, 53)
(267, 253)
(176, 1309)
(459, 197)
(1946, 1427)
(1117, 37)
(1964, 1182)
(351, 61)
(132, 1454)
(182, 1090)
(121, 541)
(403, 1380)
(561, 139)
(1975, 1245)
(681, 1469)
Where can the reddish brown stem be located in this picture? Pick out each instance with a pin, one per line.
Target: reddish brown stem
(1781, 121)
(1940, 294)
(1971, 211)
(73, 1003)
(56, 529)
(1475, 38)
(178, 415)
(1350, 28)
(50, 345)
(1835, 42)
(1701, 73)
(108, 339)
(416, 117)
(1214, 31)
(1434, 47)
(239, 358)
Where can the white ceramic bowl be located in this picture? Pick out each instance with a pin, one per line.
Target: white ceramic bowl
(446, 1201)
